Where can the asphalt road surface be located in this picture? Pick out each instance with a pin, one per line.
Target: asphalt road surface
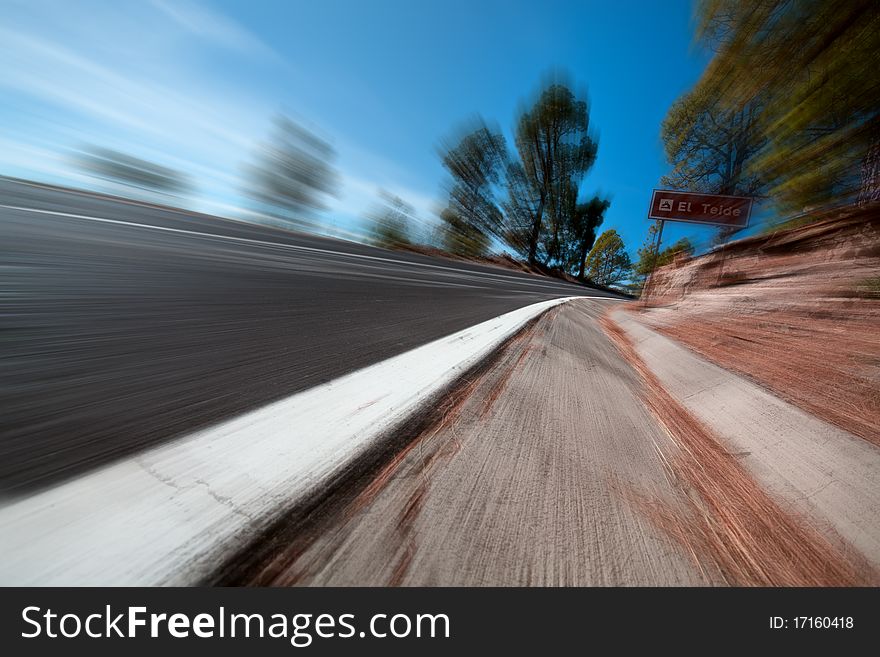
(125, 325)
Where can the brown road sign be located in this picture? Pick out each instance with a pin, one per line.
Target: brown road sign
(730, 211)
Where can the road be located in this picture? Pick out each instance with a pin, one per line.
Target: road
(273, 408)
(565, 462)
(126, 325)
(533, 478)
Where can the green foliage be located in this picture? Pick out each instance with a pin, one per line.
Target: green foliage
(555, 151)
(293, 174)
(670, 253)
(475, 162)
(391, 222)
(813, 68)
(608, 262)
(710, 146)
(579, 233)
(521, 208)
(462, 238)
(647, 253)
(869, 288)
(540, 217)
(131, 171)
(649, 259)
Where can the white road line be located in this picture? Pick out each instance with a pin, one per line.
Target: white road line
(312, 249)
(170, 514)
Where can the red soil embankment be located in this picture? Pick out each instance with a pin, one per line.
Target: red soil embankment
(797, 311)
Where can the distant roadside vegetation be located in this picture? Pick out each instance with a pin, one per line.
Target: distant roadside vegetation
(525, 203)
(520, 206)
(788, 108)
(787, 111)
(527, 200)
(129, 171)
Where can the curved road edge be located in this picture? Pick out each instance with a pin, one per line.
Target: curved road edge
(170, 514)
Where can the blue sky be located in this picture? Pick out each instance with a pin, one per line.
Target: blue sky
(194, 84)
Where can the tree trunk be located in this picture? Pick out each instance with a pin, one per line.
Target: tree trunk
(536, 233)
(583, 261)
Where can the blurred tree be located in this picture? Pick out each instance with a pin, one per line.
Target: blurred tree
(580, 232)
(710, 147)
(475, 162)
(294, 173)
(461, 237)
(649, 258)
(520, 208)
(131, 171)
(647, 253)
(679, 248)
(557, 243)
(815, 65)
(555, 151)
(608, 262)
(391, 221)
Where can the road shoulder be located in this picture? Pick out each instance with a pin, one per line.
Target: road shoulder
(531, 479)
(818, 471)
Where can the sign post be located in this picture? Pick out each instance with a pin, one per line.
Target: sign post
(690, 207)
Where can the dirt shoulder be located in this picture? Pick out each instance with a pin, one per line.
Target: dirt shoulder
(526, 480)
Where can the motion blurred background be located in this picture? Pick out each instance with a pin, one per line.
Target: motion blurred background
(188, 102)
(317, 116)
(462, 130)
(207, 206)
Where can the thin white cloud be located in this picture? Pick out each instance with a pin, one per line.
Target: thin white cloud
(208, 24)
(359, 194)
(71, 84)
